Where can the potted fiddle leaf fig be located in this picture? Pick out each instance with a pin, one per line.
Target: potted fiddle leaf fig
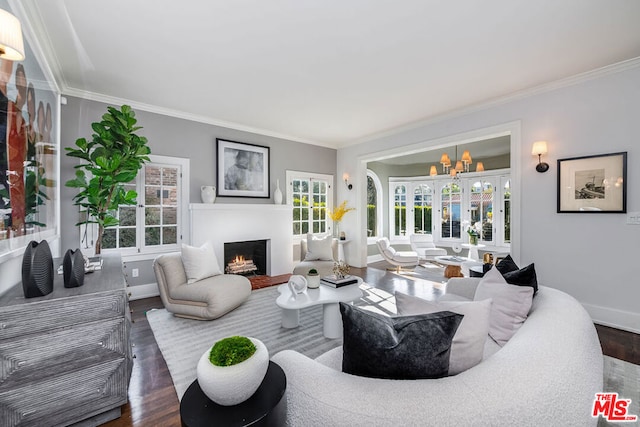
(110, 159)
(231, 371)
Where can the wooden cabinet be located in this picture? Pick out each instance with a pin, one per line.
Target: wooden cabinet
(66, 357)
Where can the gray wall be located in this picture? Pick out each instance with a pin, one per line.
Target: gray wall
(196, 141)
(590, 256)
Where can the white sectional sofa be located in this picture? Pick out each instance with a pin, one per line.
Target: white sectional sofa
(546, 374)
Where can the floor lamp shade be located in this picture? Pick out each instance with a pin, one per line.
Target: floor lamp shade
(73, 269)
(37, 270)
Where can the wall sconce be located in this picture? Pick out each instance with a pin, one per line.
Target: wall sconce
(479, 167)
(345, 177)
(540, 148)
(11, 44)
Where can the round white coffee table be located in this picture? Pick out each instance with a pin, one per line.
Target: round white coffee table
(453, 264)
(328, 296)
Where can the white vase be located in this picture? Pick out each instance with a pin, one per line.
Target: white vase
(313, 282)
(230, 385)
(208, 193)
(277, 195)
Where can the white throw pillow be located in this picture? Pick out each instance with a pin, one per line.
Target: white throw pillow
(510, 308)
(199, 263)
(467, 347)
(319, 247)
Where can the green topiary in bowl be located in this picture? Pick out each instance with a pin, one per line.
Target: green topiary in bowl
(231, 351)
(313, 272)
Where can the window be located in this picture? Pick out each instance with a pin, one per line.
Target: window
(155, 224)
(481, 208)
(450, 200)
(398, 204)
(310, 195)
(445, 207)
(422, 209)
(374, 205)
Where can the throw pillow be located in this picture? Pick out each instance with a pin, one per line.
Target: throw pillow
(319, 247)
(467, 347)
(518, 276)
(510, 308)
(406, 347)
(199, 262)
(506, 265)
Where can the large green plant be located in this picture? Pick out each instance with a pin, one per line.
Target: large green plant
(111, 159)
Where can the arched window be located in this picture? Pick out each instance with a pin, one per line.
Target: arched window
(374, 205)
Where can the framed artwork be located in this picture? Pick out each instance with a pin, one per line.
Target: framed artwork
(243, 169)
(593, 184)
(29, 151)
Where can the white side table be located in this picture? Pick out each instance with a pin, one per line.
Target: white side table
(473, 250)
(341, 244)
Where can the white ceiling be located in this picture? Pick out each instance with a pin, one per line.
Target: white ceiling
(329, 72)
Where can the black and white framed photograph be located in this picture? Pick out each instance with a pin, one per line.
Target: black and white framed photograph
(243, 169)
(596, 184)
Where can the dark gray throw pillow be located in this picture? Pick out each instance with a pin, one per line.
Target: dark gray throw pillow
(518, 276)
(403, 347)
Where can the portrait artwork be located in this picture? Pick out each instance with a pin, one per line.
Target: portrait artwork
(243, 169)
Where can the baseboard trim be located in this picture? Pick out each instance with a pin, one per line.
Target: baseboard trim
(143, 291)
(618, 319)
(374, 258)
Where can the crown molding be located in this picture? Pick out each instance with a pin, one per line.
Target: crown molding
(525, 93)
(107, 99)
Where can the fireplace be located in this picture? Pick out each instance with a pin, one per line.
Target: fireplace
(246, 258)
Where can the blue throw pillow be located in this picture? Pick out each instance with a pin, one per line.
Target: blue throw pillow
(403, 347)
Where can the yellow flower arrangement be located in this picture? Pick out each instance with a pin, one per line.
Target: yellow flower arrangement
(339, 212)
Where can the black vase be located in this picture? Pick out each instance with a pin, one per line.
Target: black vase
(37, 270)
(73, 268)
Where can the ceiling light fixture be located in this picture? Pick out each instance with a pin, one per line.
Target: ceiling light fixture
(433, 171)
(479, 167)
(11, 44)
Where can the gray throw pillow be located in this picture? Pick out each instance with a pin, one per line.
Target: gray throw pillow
(406, 347)
(467, 348)
(510, 308)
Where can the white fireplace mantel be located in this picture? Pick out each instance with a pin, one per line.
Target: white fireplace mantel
(225, 222)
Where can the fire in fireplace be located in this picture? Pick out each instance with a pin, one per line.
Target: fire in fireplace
(248, 257)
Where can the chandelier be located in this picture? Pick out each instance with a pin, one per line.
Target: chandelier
(461, 166)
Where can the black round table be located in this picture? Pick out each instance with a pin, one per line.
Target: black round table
(267, 407)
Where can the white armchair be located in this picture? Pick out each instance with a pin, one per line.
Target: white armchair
(397, 258)
(424, 246)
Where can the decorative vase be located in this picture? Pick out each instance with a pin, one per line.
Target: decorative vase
(313, 281)
(37, 270)
(73, 269)
(208, 193)
(277, 195)
(230, 385)
(473, 240)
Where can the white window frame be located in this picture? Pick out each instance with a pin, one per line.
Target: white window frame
(496, 177)
(290, 175)
(379, 207)
(142, 252)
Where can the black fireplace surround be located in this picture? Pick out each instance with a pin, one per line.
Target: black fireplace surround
(255, 250)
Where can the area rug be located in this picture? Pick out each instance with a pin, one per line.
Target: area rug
(183, 341)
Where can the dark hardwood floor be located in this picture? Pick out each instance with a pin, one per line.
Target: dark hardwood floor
(152, 397)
